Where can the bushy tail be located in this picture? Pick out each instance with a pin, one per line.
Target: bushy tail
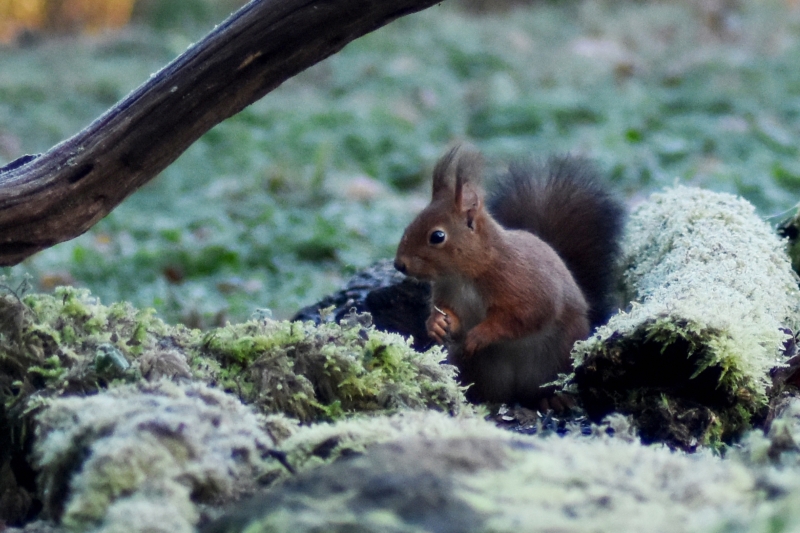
(566, 205)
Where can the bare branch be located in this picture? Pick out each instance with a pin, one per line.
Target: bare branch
(62, 193)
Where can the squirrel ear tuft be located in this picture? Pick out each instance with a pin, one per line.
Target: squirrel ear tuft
(444, 173)
(460, 166)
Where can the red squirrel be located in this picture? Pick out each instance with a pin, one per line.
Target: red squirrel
(516, 282)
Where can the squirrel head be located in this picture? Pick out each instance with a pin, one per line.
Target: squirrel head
(446, 237)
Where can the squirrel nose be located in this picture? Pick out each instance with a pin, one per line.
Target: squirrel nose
(400, 266)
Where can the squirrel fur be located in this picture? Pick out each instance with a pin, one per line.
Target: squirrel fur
(518, 276)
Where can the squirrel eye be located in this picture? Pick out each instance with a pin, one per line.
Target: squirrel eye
(437, 237)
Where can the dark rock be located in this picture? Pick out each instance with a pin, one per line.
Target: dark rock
(398, 304)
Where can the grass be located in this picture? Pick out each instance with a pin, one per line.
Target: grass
(280, 204)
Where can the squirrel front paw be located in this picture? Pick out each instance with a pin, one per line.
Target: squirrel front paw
(475, 341)
(442, 324)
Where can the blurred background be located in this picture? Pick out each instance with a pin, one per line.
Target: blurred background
(92, 16)
(278, 205)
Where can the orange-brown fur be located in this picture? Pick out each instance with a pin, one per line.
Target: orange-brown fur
(504, 302)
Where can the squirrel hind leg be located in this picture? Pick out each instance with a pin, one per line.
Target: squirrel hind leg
(514, 371)
(489, 379)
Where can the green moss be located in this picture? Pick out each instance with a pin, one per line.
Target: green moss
(72, 345)
(51, 368)
(325, 372)
(71, 342)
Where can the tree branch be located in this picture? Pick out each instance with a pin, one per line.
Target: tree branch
(62, 193)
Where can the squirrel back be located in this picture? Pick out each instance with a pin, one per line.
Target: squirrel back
(564, 203)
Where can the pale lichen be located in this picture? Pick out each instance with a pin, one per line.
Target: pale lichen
(713, 296)
(181, 445)
(442, 474)
(320, 444)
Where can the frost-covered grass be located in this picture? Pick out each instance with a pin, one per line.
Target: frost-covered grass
(278, 205)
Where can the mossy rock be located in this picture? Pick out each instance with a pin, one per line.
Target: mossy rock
(69, 344)
(714, 300)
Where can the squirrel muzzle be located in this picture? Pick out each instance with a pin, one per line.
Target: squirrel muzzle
(400, 265)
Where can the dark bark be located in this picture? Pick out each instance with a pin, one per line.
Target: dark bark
(62, 193)
(398, 304)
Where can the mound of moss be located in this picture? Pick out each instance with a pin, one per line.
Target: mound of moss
(69, 344)
(323, 372)
(714, 300)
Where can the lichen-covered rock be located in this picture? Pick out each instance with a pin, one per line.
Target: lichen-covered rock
(449, 475)
(168, 446)
(713, 298)
(321, 444)
(58, 345)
